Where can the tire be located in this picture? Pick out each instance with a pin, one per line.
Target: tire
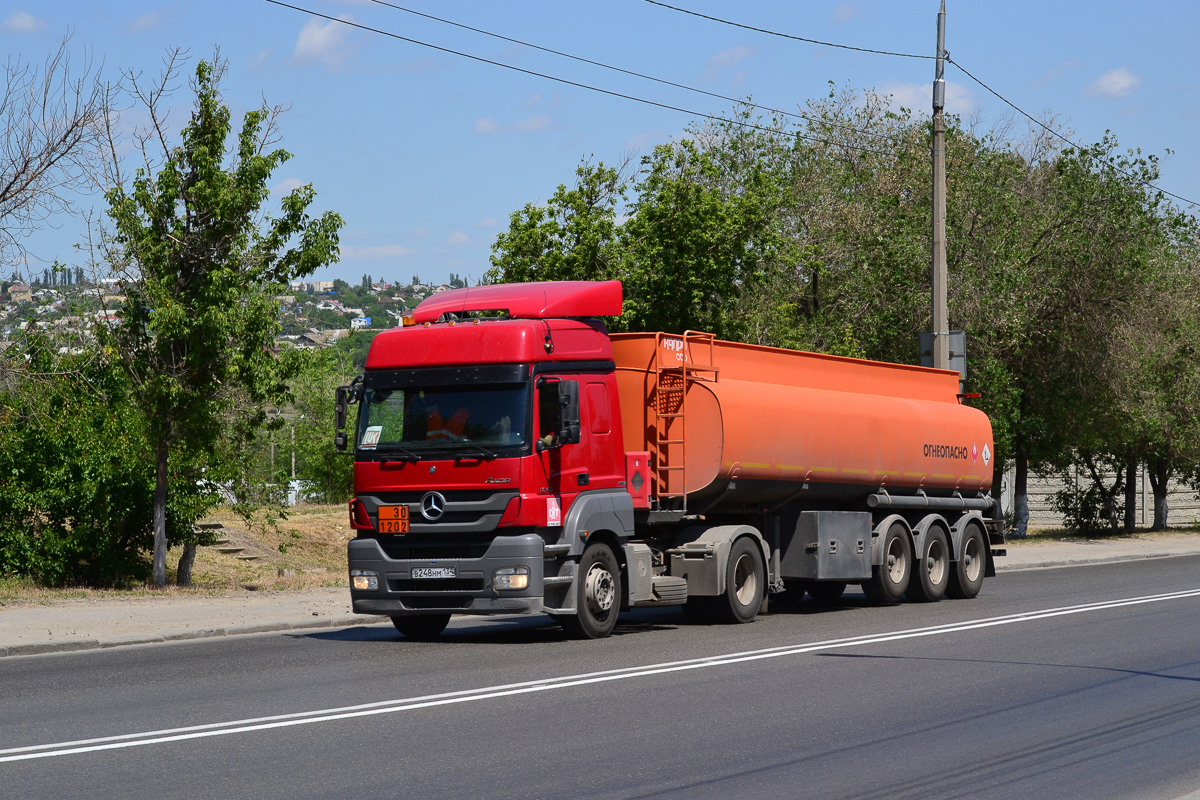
(966, 578)
(597, 594)
(890, 579)
(424, 628)
(745, 584)
(931, 572)
(826, 591)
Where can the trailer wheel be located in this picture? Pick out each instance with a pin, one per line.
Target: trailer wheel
(826, 591)
(424, 628)
(966, 579)
(890, 579)
(597, 594)
(932, 571)
(745, 584)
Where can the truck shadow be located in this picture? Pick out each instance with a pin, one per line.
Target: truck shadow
(535, 629)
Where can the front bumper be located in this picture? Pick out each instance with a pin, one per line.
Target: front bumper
(471, 592)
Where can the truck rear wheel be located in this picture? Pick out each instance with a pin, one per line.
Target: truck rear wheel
(932, 571)
(424, 628)
(745, 584)
(597, 594)
(890, 579)
(966, 579)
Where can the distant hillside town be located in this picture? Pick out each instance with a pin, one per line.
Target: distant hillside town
(312, 314)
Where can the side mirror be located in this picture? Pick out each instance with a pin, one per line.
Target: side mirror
(568, 401)
(341, 405)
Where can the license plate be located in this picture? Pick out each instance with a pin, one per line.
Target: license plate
(393, 519)
(434, 572)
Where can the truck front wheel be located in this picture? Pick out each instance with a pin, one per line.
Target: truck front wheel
(424, 628)
(890, 579)
(597, 594)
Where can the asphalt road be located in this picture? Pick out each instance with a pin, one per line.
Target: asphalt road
(1076, 682)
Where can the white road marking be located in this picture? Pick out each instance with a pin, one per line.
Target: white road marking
(548, 684)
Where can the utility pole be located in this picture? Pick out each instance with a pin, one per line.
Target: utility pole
(941, 316)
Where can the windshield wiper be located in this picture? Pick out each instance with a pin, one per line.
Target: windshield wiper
(409, 455)
(490, 455)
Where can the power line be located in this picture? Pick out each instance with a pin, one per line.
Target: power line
(787, 35)
(1053, 132)
(793, 114)
(576, 84)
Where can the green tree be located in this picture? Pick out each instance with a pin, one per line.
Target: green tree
(203, 263)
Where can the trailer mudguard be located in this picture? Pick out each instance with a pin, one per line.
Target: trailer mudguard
(701, 553)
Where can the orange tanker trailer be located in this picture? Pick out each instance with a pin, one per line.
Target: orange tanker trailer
(512, 456)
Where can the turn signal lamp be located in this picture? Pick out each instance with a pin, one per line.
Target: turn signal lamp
(408, 322)
(364, 580)
(510, 578)
(359, 518)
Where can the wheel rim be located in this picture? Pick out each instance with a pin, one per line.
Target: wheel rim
(935, 560)
(745, 580)
(599, 589)
(897, 560)
(973, 558)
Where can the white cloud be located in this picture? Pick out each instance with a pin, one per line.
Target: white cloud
(1115, 83)
(532, 101)
(485, 125)
(420, 233)
(845, 12)
(1053, 74)
(322, 44)
(145, 22)
(536, 124)
(918, 97)
(287, 186)
(458, 238)
(726, 59)
(487, 222)
(22, 22)
(257, 64)
(541, 122)
(377, 252)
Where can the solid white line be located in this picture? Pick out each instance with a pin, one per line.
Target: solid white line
(547, 684)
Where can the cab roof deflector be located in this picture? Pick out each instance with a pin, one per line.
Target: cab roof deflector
(543, 300)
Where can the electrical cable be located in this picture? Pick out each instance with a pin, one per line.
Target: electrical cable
(793, 114)
(788, 35)
(1053, 132)
(577, 84)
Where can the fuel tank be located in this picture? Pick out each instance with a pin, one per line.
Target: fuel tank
(737, 424)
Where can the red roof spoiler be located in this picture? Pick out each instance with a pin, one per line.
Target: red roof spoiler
(544, 300)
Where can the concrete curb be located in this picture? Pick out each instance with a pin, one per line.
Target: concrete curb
(1090, 560)
(77, 645)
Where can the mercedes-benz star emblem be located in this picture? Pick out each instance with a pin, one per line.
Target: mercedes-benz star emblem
(433, 505)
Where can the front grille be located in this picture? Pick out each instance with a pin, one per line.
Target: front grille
(400, 549)
(436, 585)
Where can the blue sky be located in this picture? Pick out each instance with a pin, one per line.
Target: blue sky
(426, 154)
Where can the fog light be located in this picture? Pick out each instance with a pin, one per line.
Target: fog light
(363, 579)
(510, 578)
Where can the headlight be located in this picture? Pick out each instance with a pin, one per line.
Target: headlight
(510, 578)
(363, 579)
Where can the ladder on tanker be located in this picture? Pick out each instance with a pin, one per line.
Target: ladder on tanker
(670, 406)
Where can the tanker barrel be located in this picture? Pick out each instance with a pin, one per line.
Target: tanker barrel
(923, 501)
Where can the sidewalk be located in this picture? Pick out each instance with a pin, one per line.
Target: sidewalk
(64, 625)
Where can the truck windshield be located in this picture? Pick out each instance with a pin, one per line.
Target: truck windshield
(475, 421)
